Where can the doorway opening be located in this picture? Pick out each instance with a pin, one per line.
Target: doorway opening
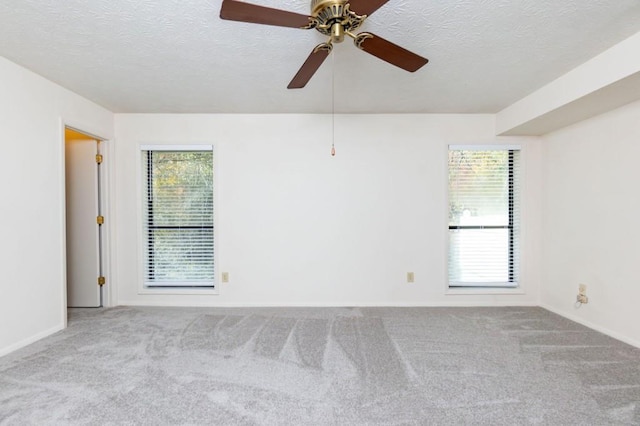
(84, 220)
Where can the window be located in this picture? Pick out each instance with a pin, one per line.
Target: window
(177, 219)
(484, 216)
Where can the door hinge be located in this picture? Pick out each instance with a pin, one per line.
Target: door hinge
(100, 220)
(99, 158)
(102, 281)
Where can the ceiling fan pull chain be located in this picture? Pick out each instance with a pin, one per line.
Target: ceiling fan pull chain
(333, 104)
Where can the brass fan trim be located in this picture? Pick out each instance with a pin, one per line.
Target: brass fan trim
(334, 18)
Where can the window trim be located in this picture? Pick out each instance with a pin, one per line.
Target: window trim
(174, 290)
(513, 286)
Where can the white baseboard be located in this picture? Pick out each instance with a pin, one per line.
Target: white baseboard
(593, 326)
(446, 304)
(26, 342)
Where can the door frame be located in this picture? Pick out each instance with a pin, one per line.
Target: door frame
(106, 206)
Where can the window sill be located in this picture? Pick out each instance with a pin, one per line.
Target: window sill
(184, 291)
(461, 291)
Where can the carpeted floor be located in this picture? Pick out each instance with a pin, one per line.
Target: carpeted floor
(391, 366)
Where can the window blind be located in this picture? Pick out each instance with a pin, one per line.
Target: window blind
(178, 218)
(484, 217)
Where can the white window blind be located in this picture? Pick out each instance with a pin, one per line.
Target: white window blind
(484, 217)
(178, 218)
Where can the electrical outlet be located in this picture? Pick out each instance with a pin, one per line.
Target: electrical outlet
(225, 277)
(411, 277)
(582, 294)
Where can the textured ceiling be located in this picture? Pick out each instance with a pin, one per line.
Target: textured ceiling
(178, 56)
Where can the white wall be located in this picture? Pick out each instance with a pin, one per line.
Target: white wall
(591, 231)
(32, 286)
(297, 227)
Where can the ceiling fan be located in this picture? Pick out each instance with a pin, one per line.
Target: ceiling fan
(333, 18)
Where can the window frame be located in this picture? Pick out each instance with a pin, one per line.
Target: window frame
(211, 287)
(514, 285)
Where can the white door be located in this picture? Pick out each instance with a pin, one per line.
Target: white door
(83, 239)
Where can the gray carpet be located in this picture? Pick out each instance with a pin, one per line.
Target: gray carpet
(391, 366)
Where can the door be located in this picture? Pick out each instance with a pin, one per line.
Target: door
(83, 232)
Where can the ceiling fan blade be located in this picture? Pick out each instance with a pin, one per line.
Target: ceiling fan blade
(389, 52)
(310, 66)
(245, 12)
(366, 7)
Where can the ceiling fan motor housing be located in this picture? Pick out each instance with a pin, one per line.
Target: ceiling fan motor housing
(334, 17)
